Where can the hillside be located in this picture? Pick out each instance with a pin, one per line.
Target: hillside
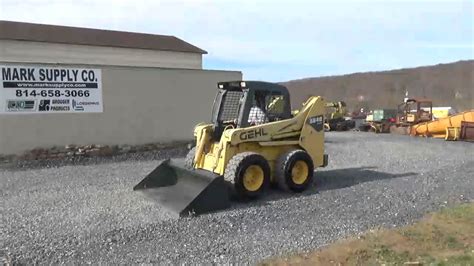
(449, 84)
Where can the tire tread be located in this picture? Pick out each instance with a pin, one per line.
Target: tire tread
(280, 175)
(232, 171)
(234, 163)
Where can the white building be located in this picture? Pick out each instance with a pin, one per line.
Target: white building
(152, 88)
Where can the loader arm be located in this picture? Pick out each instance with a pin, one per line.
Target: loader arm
(203, 137)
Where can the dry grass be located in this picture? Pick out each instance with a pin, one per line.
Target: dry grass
(442, 238)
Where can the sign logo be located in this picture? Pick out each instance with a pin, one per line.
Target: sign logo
(20, 105)
(61, 101)
(44, 105)
(77, 107)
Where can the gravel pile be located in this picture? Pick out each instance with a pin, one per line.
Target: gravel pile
(88, 213)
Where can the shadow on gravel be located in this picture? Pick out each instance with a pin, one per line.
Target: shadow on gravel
(347, 177)
(327, 180)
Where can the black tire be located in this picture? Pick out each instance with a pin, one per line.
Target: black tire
(235, 169)
(188, 161)
(284, 166)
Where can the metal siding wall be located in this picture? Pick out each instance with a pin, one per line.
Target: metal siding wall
(141, 105)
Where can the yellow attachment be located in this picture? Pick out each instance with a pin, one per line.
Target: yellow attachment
(335, 110)
(440, 113)
(439, 126)
(369, 118)
(299, 172)
(253, 178)
(376, 128)
(452, 133)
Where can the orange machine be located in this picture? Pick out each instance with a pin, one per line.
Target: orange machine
(411, 112)
(444, 127)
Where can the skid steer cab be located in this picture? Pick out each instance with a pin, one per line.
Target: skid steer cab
(252, 141)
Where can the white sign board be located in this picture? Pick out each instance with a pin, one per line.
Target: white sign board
(38, 89)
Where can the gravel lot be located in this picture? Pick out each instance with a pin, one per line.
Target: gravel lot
(89, 214)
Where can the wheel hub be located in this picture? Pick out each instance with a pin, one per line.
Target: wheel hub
(299, 172)
(253, 178)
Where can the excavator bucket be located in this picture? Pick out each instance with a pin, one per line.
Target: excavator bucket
(183, 191)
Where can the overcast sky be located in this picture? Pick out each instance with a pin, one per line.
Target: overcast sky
(282, 40)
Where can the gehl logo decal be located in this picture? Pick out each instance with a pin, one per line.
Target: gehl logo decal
(251, 134)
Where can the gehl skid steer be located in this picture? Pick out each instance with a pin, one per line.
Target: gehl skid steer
(252, 142)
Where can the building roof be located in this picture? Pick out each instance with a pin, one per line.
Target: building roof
(10, 30)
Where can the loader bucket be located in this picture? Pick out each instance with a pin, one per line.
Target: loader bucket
(183, 191)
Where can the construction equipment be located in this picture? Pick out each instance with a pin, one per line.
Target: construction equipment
(441, 112)
(379, 121)
(452, 133)
(448, 128)
(335, 117)
(411, 112)
(252, 141)
(467, 130)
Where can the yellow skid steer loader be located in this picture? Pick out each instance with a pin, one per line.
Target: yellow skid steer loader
(253, 141)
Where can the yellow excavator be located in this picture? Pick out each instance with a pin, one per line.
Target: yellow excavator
(252, 141)
(335, 117)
